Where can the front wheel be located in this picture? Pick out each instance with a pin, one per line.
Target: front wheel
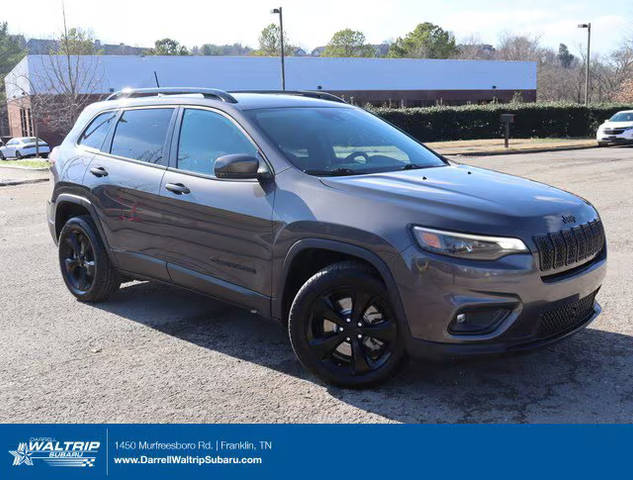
(84, 262)
(343, 328)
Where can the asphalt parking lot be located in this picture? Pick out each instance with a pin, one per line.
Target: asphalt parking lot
(160, 354)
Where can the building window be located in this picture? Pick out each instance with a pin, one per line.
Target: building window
(29, 122)
(26, 122)
(23, 123)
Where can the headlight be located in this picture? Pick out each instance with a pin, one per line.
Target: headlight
(463, 245)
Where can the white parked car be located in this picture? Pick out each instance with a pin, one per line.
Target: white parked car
(20, 147)
(618, 129)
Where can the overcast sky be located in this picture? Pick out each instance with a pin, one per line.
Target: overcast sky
(312, 23)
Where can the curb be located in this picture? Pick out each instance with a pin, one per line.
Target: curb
(526, 150)
(17, 167)
(10, 183)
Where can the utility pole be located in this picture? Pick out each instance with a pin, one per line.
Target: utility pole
(588, 27)
(281, 43)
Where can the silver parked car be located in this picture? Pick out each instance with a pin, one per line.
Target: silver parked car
(20, 147)
(617, 130)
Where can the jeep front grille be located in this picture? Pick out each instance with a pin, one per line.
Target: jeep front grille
(567, 247)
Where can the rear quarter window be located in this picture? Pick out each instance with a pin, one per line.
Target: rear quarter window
(96, 132)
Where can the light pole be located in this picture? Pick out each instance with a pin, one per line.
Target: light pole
(281, 43)
(588, 27)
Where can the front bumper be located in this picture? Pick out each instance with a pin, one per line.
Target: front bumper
(625, 137)
(435, 289)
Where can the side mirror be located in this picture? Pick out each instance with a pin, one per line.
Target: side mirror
(237, 165)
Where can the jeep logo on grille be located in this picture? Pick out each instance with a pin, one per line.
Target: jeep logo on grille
(569, 219)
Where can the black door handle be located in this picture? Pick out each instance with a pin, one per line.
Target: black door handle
(99, 172)
(177, 188)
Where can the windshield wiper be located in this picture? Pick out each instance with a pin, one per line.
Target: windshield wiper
(413, 166)
(332, 173)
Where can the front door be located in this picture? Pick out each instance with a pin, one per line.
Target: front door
(220, 230)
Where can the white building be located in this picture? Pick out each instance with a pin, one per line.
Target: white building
(409, 82)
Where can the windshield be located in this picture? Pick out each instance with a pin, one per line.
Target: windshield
(622, 117)
(341, 141)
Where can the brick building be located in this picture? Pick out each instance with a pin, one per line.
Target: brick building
(379, 81)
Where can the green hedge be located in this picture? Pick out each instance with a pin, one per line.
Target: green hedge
(482, 121)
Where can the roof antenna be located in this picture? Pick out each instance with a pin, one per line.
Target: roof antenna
(156, 78)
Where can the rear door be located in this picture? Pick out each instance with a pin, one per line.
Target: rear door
(124, 178)
(220, 230)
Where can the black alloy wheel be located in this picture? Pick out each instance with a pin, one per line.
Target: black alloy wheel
(78, 258)
(343, 328)
(349, 330)
(85, 266)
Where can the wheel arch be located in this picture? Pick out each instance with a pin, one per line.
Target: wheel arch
(327, 252)
(68, 205)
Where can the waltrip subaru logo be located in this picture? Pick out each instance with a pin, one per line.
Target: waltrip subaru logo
(55, 453)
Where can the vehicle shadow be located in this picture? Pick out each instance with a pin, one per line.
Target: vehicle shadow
(588, 378)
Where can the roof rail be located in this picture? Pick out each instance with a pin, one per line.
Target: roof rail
(303, 93)
(148, 92)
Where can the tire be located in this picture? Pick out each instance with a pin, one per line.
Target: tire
(335, 323)
(84, 263)
(18, 155)
(603, 144)
(2, 157)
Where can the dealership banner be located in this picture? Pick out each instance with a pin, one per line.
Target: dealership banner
(313, 451)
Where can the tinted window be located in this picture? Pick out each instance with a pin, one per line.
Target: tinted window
(205, 136)
(140, 134)
(96, 132)
(341, 141)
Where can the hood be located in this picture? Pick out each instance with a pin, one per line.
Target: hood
(465, 198)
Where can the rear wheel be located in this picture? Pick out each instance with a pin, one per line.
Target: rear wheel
(343, 328)
(18, 155)
(84, 262)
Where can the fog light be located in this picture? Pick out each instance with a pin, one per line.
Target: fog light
(478, 321)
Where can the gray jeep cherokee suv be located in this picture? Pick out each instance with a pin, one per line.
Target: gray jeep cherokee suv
(300, 207)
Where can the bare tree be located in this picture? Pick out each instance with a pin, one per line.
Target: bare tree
(63, 83)
(519, 48)
(472, 48)
(70, 75)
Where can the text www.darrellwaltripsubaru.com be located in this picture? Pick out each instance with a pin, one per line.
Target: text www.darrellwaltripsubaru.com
(187, 460)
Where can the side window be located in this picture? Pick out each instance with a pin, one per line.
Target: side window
(140, 134)
(95, 133)
(205, 136)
